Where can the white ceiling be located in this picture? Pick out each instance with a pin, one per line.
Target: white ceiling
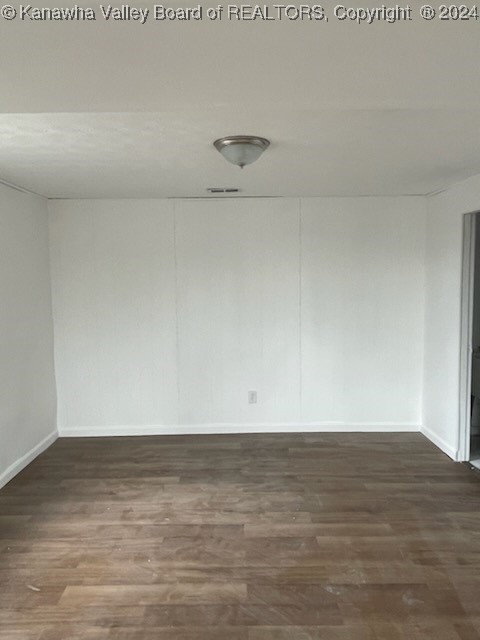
(128, 110)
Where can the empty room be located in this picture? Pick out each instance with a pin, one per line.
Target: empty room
(239, 322)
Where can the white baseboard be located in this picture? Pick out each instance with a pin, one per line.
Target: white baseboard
(440, 443)
(22, 462)
(225, 428)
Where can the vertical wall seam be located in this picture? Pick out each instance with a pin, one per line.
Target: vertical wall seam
(53, 313)
(425, 208)
(300, 354)
(177, 332)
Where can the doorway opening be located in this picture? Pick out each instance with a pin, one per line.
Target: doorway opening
(469, 441)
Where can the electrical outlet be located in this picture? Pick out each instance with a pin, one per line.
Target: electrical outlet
(252, 397)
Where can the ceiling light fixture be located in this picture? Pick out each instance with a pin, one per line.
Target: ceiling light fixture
(241, 150)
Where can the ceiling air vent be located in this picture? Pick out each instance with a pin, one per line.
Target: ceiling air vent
(223, 190)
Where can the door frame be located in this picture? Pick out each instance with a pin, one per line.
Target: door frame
(468, 275)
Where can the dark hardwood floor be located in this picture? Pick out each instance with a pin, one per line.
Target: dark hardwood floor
(268, 537)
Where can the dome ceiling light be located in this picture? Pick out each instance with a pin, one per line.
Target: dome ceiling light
(241, 150)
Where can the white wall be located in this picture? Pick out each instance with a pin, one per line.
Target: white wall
(442, 311)
(362, 310)
(168, 312)
(27, 383)
(238, 270)
(113, 281)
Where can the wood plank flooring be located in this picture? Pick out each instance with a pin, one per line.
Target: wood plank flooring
(248, 537)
